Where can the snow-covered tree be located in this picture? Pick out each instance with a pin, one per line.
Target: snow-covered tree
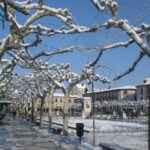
(22, 37)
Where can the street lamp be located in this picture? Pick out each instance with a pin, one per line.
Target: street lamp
(93, 104)
(93, 111)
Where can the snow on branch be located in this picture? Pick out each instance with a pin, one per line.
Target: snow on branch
(136, 34)
(15, 43)
(81, 48)
(35, 12)
(55, 52)
(6, 73)
(110, 5)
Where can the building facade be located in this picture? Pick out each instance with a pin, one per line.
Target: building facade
(61, 102)
(143, 90)
(115, 94)
(75, 104)
(121, 101)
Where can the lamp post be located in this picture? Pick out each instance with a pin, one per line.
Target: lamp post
(148, 123)
(93, 111)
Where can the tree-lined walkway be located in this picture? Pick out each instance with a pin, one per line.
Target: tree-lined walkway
(15, 135)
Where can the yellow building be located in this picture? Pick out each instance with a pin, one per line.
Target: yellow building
(75, 103)
(61, 102)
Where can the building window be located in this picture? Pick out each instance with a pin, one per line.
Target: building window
(74, 100)
(141, 93)
(125, 92)
(148, 92)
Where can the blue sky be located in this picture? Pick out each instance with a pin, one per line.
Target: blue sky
(136, 11)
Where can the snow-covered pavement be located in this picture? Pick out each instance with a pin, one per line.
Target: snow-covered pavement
(16, 135)
(105, 125)
(125, 134)
(21, 135)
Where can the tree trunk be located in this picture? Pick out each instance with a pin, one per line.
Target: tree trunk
(25, 112)
(41, 111)
(65, 123)
(50, 115)
(65, 115)
(33, 111)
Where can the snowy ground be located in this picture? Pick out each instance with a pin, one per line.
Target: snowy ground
(105, 125)
(135, 141)
(18, 135)
(21, 135)
(125, 134)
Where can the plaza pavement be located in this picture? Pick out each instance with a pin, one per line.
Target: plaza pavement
(16, 135)
(21, 135)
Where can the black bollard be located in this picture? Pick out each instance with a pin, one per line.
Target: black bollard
(80, 130)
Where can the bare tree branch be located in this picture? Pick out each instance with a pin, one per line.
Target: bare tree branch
(94, 62)
(131, 68)
(55, 52)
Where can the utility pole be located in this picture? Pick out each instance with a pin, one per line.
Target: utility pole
(148, 124)
(93, 111)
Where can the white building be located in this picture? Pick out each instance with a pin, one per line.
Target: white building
(115, 94)
(143, 90)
